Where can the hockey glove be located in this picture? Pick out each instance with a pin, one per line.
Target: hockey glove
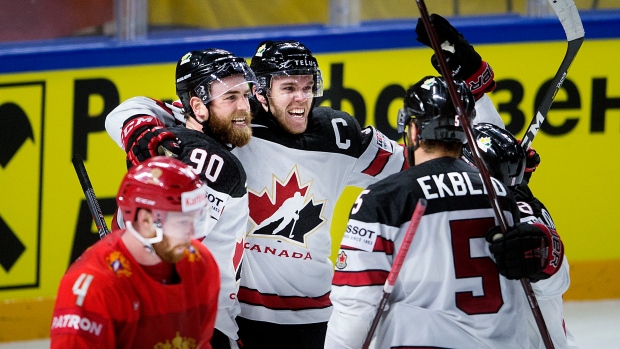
(144, 136)
(532, 251)
(532, 160)
(461, 57)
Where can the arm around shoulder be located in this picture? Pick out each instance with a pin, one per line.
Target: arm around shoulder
(169, 115)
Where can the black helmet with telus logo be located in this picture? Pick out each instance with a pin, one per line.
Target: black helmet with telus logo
(288, 57)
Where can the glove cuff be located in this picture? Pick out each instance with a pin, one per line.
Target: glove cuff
(137, 123)
(482, 80)
(555, 253)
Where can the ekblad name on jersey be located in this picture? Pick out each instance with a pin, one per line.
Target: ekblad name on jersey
(448, 250)
(317, 165)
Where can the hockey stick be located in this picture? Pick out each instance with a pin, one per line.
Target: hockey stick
(484, 172)
(398, 263)
(89, 193)
(571, 22)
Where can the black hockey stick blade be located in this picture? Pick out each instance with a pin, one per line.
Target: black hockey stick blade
(89, 193)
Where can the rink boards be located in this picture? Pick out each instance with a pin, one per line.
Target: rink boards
(54, 100)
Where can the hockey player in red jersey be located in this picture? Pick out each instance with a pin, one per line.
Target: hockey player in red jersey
(449, 293)
(150, 285)
(506, 161)
(214, 87)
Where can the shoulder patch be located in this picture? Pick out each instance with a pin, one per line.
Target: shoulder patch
(341, 261)
(383, 142)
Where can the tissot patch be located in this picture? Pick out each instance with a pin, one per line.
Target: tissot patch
(359, 237)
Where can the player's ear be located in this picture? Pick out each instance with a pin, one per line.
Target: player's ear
(144, 223)
(263, 101)
(200, 110)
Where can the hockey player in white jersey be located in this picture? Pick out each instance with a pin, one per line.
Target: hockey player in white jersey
(214, 87)
(300, 159)
(297, 152)
(296, 148)
(449, 293)
(506, 161)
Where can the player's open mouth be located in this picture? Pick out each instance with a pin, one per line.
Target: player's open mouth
(239, 122)
(297, 112)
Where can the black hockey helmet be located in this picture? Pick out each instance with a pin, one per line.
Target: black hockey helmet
(428, 104)
(197, 70)
(288, 57)
(503, 155)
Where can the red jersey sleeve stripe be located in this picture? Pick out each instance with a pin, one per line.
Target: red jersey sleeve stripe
(378, 163)
(360, 278)
(162, 105)
(276, 302)
(381, 245)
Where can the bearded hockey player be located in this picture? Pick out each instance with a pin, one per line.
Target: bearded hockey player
(298, 161)
(214, 87)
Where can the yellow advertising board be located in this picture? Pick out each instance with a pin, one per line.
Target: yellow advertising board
(48, 116)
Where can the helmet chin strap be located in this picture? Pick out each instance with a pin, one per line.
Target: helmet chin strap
(411, 148)
(147, 242)
(204, 124)
(411, 156)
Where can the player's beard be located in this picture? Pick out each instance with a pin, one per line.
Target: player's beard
(168, 252)
(229, 133)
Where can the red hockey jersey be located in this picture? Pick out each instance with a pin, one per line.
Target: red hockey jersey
(106, 300)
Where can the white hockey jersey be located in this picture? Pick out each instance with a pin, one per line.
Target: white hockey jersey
(294, 182)
(449, 293)
(286, 277)
(287, 272)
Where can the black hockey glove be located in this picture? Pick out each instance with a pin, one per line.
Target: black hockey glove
(144, 136)
(465, 63)
(532, 251)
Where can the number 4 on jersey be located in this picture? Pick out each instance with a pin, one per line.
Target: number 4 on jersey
(80, 287)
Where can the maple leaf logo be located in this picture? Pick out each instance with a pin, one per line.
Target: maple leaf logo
(287, 213)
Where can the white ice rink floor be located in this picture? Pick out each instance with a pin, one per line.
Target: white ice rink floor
(595, 325)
